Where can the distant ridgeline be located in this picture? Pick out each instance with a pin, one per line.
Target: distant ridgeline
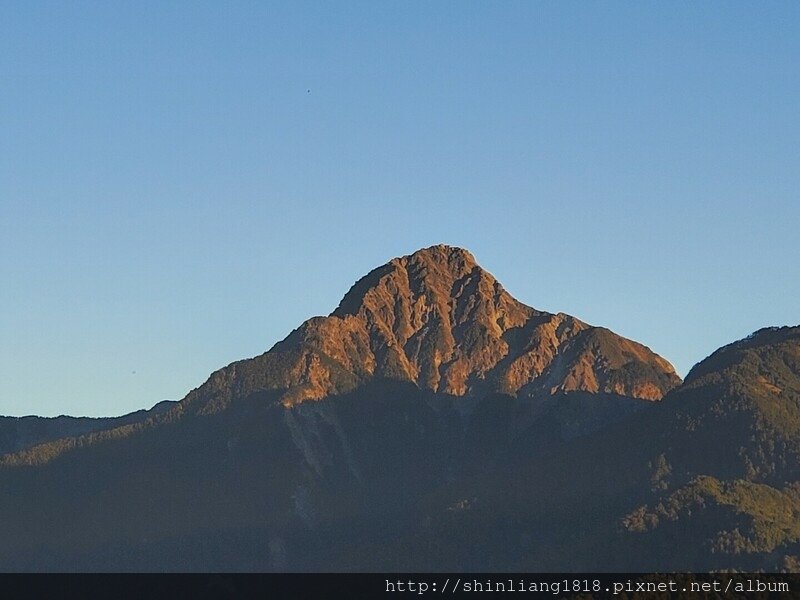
(430, 422)
(20, 433)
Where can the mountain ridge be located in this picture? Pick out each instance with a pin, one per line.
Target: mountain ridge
(20, 433)
(491, 437)
(439, 320)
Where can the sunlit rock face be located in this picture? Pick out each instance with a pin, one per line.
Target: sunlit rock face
(439, 320)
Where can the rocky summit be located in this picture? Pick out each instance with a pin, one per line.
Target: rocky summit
(435, 318)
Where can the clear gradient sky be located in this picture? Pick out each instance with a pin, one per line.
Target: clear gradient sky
(183, 183)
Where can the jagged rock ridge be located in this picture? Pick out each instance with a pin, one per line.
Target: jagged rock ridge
(437, 319)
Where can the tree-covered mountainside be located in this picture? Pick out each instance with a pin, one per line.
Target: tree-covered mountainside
(432, 422)
(20, 433)
(729, 464)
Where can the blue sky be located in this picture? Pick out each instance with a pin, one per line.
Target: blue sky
(182, 184)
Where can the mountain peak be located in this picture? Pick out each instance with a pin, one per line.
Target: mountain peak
(434, 270)
(438, 320)
(452, 257)
(733, 354)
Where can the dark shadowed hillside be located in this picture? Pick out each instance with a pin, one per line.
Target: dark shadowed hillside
(19, 433)
(729, 463)
(704, 480)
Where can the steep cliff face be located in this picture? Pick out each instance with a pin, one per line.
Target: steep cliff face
(437, 319)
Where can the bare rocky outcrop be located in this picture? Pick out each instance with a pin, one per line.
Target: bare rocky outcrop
(437, 319)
